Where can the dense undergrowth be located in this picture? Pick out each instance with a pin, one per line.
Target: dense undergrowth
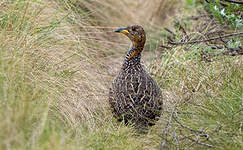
(58, 58)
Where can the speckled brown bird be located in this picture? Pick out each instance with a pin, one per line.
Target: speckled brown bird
(134, 96)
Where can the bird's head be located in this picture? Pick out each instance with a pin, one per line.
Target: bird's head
(136, 34)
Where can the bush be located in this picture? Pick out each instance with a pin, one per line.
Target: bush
(229, 14)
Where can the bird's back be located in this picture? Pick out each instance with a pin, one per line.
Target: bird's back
(135, 97)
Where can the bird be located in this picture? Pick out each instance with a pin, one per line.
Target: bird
(134, 96)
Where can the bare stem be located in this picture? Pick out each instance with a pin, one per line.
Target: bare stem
(240, 34)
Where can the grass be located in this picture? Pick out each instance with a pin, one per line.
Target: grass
(58, 58)
(209, 106)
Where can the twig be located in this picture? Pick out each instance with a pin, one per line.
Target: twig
(236, 2)
(176, 140)
(229, 1)
(214, 32)
(169, 122)
(166, 130)
(221, 3)
(168, 30)
(204, 144)
(167, 47)
(196, 17)
(210, 39)
(233, 51)
(183, 32)
(197, 131)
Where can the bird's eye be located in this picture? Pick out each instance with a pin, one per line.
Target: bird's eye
(133, 32)
(140, 38)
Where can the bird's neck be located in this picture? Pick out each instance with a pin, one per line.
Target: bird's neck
(134, 60)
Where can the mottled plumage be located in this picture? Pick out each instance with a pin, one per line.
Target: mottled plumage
(134, 96)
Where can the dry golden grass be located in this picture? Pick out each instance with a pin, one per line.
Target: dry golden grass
(57, 62)
(94, 52)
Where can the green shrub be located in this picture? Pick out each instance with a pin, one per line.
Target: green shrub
(229, 14)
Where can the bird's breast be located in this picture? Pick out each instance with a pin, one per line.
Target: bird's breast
(134, 85)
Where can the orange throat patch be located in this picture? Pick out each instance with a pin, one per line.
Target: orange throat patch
(133, 54)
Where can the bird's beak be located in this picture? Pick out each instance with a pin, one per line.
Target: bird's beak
(122, 30)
